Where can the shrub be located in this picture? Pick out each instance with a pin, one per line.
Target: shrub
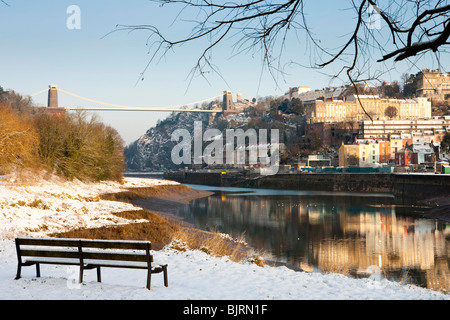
(81, 148)
(18, 141)
(70, 145)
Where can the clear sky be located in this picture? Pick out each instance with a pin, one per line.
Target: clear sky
(38, 49)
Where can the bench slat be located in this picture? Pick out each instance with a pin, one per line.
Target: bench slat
(44, 260)
(137, 257)
(50, 253)
(132, 265)
(90, 264)
(48, 242)
(87, 243)
(106, 244)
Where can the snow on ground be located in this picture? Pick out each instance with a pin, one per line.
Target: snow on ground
(53, 205)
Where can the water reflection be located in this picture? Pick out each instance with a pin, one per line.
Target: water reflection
(357, 234)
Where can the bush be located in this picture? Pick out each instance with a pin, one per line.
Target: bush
(18, 141)
(70, 144)
(76, 147)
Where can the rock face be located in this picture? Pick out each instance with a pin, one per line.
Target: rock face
(152, 151)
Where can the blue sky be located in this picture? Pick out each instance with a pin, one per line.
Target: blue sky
(37, 49)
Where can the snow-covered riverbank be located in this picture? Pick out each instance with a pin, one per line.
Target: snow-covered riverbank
(54, 205)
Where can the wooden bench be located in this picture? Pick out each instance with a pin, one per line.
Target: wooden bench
(87, 254)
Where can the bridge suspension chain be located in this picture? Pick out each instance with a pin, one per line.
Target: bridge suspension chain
(35, 94)
(130, 107)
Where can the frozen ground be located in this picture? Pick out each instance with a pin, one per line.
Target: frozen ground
(50, 205)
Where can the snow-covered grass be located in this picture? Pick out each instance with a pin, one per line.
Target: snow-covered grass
(49, 204)
(52, 205)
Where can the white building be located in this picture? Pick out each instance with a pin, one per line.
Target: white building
(369, 152)
(429, 129)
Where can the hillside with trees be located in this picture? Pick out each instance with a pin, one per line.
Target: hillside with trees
(70, 145)
(152, 152)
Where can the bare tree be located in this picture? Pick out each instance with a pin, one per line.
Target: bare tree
(391, 112)
(391, 30)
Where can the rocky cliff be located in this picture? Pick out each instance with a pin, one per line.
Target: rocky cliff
(152, 151)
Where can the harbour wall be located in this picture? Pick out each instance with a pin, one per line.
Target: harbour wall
(406, 188)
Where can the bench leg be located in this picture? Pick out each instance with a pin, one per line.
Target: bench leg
(149, 277)
(19, 270)
(99, 276)
(81, 274)
(38, 270)
(166, 282)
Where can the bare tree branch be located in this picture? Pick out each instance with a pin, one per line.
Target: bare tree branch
(408, 29)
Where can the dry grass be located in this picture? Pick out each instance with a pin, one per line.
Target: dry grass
(162, 231)
(158, 230)
(213, 243)
(163, 191)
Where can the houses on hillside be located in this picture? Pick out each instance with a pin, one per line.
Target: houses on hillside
(399, 151)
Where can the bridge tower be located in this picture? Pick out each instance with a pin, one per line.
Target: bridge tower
(227, 101)
(52, 106)
(52, 96)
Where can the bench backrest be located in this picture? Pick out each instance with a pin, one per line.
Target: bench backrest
(136, 251)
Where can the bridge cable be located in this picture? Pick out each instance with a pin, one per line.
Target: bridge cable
(35, 94)
(129, 107)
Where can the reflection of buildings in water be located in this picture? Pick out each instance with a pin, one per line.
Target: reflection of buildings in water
(390, 243)
(400, 246)
(342, 256)
(261, 211)
(359, 237)
(316, 213)
(438, 277)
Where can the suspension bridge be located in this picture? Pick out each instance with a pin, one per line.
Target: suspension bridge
(53, 104)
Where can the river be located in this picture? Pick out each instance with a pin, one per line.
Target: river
(359, 235)
(356, 234)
